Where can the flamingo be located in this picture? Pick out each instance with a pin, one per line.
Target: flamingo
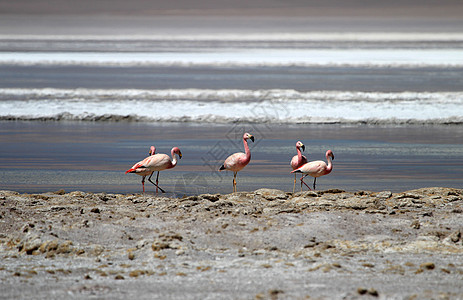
(157, 162)
(316, 168)
(143, 171)
(239, 160)
(298, 160)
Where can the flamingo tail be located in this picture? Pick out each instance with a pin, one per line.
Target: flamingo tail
(132, 170)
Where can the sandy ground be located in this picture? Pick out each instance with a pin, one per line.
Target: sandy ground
(266, 244)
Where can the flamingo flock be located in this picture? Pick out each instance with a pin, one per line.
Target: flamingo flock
(235, 163)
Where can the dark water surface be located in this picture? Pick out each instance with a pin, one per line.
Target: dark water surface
(48, 156)
(378, 79)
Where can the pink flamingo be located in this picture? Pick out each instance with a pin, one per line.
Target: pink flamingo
(239, 160)
(143, 171)
(316, 168)
(157, 162)
(298, 160)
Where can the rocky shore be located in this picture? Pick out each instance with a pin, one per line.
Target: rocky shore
(265, 244)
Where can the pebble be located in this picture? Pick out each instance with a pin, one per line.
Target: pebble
(60, 192)
(427, 266)
(384, 195)
(415, 224)
(136, 273)
(373, 292)
(271, 194)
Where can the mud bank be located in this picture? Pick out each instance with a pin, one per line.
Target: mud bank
(265, 244)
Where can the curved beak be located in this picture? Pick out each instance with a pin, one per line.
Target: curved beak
(303, 147)
(180, 155)
(252, 138)
(332, 156)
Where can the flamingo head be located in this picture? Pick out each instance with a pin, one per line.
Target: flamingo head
(248, 136)
(300, 145)
(152, 150)
(176, 150)
(330, 154)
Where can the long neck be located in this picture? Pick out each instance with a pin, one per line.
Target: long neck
(246, 149)
(329, 167)
(174, 158)
(299, 155)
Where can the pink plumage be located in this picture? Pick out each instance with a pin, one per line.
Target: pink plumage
(136, 169)
(156, 162)
(316, 168)
(298, 160)
(237, 161)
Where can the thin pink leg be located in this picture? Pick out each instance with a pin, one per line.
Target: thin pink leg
(302, 182)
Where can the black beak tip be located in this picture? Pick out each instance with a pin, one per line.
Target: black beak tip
(252, 138)
(303, 147)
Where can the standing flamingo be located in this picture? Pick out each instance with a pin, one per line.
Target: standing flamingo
(298, 160)
(143, 171)
(157, 162)
(239, 160)
(316, 168)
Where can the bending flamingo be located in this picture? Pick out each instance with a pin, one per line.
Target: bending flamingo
(298, 160)
(143, 171)
(239, 160)
(316, 168)
(157, 162)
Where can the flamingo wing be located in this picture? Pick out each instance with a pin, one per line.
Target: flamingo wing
(139, 167)
(158, 162)
(314, 168)
(235, 162)
(295, 162)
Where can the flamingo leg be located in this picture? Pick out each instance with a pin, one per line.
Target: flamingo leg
(294, 186)
(143, 183)
(314, 180)
(155, 184)
(302, 182)
(234, 182)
